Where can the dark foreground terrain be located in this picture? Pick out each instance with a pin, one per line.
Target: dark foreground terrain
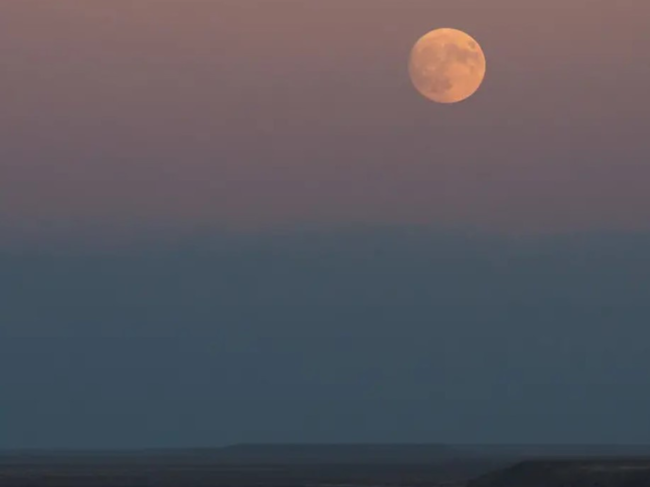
(155, 474)
(325, 466)
(570, 473)
(233, 476)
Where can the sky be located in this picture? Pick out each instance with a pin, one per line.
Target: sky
(184, 115)
(227, 221)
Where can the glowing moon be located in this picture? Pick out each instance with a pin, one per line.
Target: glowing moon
(447, 66)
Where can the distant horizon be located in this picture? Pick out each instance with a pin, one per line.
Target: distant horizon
(343, 445)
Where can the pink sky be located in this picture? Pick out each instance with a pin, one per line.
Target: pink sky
(258, 114)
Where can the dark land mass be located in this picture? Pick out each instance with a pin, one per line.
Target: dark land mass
(247, 466)
(571, 473)
(329, 466)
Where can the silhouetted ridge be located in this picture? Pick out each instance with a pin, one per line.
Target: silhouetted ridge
(337, 453)
(571, 473)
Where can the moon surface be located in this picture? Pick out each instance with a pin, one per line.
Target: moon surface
(447, 65)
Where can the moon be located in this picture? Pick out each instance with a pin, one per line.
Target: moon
(447, 65)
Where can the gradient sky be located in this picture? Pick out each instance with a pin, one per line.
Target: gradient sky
(257, 114)
(236, 221)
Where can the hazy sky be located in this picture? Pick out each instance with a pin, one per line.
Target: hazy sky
(185, 114)
(296, 246)
(387, 336)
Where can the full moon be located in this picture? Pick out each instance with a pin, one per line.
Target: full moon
(447, 65)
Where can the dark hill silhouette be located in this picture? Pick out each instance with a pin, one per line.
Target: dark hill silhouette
(570, 473)
(337, 453)
(253, 454)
